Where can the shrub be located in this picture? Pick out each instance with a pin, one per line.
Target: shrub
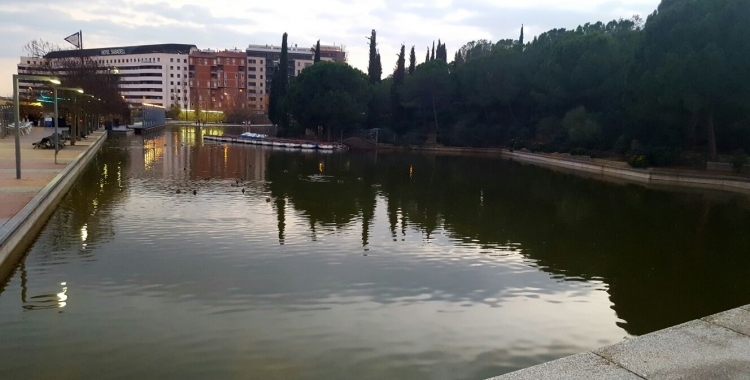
(516, 144)
(638, 161)
(539, 147)
(578, 151)
(663, 156)
(621, 145)
(739, 159)
(583, 130)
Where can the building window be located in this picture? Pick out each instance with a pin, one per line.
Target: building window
(185, 61)
(171, 90)
(261, 77)
(171, 60)
(171, 75)
(171, 67)
(250, 61)
(251, 76)
(178, 75)
(251, 69)
(158, 60)
(171, 83)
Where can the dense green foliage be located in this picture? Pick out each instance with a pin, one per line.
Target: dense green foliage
(679, 82)
(332, 95)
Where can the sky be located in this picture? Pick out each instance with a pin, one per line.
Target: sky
(227, 24)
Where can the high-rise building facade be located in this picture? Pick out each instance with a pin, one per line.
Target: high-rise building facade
(155, 74)
(218, 80)
(266, 59)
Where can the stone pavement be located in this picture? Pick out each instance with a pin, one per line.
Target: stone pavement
(37, 168)
(715, 347)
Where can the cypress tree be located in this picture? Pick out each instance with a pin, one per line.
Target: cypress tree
(317, 52)
(398, 80)
(432, 57)
(276, 111)
(279, 81)
(520, 39)
(412, 61)
(427, 58)
(458, 60)
(374, 69)
(378, 68)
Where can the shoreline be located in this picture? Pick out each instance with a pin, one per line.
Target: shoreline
(716, 346)
(602, 168)
(20, 230)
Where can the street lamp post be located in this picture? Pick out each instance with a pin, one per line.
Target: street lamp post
(56, 89)
(17, 112)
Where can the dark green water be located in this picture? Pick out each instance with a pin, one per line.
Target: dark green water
(341, 266)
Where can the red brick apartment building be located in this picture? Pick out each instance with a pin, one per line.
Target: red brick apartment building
(218, 80)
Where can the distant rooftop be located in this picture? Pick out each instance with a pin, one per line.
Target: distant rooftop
(272, 48)
(122, 50)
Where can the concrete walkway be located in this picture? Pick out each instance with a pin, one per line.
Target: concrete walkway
(25, 201)
(715, 347)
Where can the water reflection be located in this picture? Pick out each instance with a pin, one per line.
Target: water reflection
(210, 260)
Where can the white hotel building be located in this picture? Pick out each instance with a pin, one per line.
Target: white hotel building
(155, 74)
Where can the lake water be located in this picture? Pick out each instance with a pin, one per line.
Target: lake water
(354, 265)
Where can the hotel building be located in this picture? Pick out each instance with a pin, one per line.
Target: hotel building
(156, 74)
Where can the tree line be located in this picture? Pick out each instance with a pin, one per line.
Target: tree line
(652, 91)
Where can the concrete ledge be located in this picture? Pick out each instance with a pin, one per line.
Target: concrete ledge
(586, 366)
(654, 176)
(715, 347)
(19, 231)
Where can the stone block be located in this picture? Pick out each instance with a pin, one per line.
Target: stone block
(695, 350)
(586, 366)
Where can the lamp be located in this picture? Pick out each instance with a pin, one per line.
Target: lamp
(17, 112)
(56, 89)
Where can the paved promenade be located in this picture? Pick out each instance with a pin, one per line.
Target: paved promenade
(38, 170)
(715, 347)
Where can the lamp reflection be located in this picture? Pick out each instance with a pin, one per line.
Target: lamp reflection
(62, 296)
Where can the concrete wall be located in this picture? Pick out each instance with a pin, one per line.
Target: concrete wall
(672, 177)
(18, 233)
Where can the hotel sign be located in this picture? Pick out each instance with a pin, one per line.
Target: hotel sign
(113, 51)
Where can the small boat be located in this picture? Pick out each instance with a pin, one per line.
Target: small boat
(308, 146)
(325, 146)
(278, 143)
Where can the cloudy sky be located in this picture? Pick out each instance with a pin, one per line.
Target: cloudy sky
(232, 23)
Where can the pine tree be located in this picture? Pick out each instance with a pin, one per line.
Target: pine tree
(317, 52)
(412, 61)
(374, 69)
